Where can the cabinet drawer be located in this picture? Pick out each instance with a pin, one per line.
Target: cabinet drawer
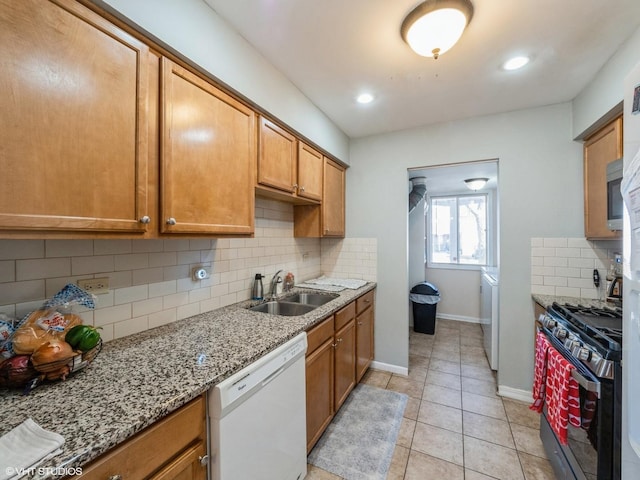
(343, 316)
(154, 447)
(364, 302)
(319, 334)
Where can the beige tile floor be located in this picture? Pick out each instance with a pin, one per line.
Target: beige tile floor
(455, 427)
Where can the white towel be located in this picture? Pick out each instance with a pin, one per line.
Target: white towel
(324, 288)
(26, 446)
(350, 283)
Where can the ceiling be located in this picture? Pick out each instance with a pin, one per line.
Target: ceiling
(449, 179)
(334, 49)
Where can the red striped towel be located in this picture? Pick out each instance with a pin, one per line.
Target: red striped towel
(562, 395)
(540, 372)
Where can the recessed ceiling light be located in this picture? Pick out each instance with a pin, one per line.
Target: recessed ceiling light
(364, 98)
(515, 63)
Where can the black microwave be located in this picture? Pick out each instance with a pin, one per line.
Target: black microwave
(614, 195)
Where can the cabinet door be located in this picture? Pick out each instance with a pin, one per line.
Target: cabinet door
(276, 157)
(187, 466)
(74, 120)
(364, 342)
(208, 157)
(310, 171)
(333, 200)
(319, 384)
(345, 367)
(599, 150)
(159, 445)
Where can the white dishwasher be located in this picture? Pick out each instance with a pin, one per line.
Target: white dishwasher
(257, 418)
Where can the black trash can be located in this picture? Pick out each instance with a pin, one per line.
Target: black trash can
(424, 297)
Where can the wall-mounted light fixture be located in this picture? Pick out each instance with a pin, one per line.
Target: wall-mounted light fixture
(476, 183)
(434, 26)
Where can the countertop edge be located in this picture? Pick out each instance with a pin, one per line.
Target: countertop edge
(158, 408)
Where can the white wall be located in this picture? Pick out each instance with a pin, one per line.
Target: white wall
(194, 30)
(605, 91)
(416, 247)
(540, 187)
(459, 293)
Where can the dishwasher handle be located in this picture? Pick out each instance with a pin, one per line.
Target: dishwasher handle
(272, 377)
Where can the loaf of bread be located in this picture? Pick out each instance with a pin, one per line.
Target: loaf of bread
(40, 327)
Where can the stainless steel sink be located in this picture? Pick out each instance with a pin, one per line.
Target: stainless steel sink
(286, 309)
(316, 299)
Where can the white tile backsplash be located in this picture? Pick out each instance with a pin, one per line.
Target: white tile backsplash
(564, 266)
(150, 280)
(350, 258)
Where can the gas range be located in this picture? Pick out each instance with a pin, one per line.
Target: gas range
(591, 340)
(592, 335)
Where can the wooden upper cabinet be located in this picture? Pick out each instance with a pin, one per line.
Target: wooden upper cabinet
(208, 157)
(600, 149)
(74, 121)
(288, 169)
(333, 200)
(310, 172)
(327, 219)
(277, 165)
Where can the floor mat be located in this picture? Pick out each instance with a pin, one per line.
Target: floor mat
(359, 442)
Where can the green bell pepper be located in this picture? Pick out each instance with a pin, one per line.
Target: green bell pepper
(83, 337)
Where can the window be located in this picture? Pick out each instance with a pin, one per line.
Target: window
(457, 230)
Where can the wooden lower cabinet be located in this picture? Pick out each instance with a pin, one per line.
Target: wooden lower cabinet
(364, 345)
(335, 363)
(188, 466)
(171, 449)
(319, 382)
(345, 362)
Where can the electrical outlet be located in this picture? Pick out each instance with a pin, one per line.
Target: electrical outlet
(200, 273)
(95, 285)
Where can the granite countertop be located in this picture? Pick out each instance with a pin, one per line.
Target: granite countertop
(547, 300)
(141, 378)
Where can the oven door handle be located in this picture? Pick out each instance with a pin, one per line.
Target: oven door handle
(587, 384)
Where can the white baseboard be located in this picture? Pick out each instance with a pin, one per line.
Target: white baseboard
(515, 394)
(387, 367)
(458, 318)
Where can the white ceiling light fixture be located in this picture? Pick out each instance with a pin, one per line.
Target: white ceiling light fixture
(364, 98)
(515, 63)
(476, 183)
(434, 26)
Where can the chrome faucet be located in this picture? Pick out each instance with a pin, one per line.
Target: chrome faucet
(273, 287)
